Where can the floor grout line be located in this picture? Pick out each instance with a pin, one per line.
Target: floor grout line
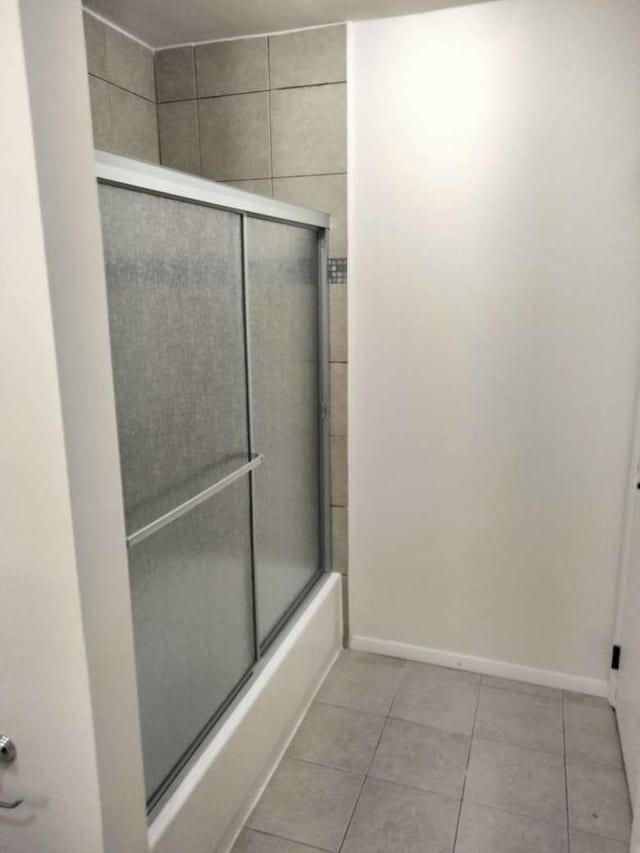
(366, 775)
(286, 838)
(466, 770)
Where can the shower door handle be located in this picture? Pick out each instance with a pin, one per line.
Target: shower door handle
(195, 501)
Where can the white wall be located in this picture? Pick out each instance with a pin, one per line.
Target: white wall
(494, 198)
(67, 681)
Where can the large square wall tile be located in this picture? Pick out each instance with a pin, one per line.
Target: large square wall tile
(178, 133)
(232, 67)
(234, 137)
(308, 57)
(308, 129)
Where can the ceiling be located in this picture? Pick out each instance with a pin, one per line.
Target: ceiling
(160, 23)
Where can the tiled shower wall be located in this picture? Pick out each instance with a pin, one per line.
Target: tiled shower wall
(123, 92)
(266, 114)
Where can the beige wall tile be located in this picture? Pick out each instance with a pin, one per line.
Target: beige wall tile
(338, 392)
(308, 57)
(321, 192)
(178, 132)
(175, 74)
(232, 67)
(134, 124)
(339, 539)
(130, 64)
(260, 187)
(100, 113)
(96, 45)
(308, 128)
(234, 137)
(339, 479)
(338, 322)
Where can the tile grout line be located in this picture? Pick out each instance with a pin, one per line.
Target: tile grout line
(122, 88)
(566, 775)
(366, 775)
(197, 100)
(466, 771)
(270, 116)
(283, 838)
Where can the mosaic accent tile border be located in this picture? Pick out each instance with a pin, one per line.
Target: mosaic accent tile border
(337, 271)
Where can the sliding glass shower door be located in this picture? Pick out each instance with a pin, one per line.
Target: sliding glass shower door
(283, 299)
(214, 323)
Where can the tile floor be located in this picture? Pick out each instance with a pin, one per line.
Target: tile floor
(403, 757)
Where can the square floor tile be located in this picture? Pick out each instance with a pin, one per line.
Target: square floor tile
(337, 737)
(307, 803)
(363, 681)
(433, 695)
(583, 842)
(520, 718)
(522, 687)
(251, 841)
(591, 730)
(392, 819)
(525, 781)
(486, 830)
(421, 757)
(598, 799)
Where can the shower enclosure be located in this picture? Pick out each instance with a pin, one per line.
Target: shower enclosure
(218, 321)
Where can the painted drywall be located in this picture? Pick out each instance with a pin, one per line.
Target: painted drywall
(494, 326)
(67, 686)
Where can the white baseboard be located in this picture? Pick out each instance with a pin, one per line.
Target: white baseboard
(485, 666)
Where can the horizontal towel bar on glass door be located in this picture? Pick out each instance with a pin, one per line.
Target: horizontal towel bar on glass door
(193, 502)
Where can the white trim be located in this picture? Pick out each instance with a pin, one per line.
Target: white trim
(627, 534)
(113, 26)
(239, 715)
(124, 171)
(485, 666)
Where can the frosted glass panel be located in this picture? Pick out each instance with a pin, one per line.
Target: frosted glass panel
(176, 316)
(283, 300)
(174, 283)
(191, 594)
